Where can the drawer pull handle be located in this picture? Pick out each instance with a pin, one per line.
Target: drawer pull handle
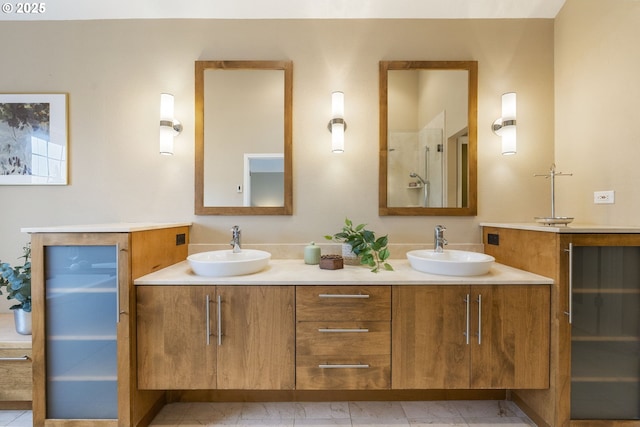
(343, 330)
(342, 366)
(359, 296)
(14, 359)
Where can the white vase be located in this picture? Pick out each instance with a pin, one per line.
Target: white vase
(23, 321)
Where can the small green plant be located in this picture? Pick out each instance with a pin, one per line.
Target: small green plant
(372, 251)
(17, 281)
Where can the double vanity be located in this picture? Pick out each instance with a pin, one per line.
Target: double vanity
(296, 331)
(122, 326)
(120, 318)
(294, 326)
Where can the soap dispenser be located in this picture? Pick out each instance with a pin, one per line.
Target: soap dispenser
(312, 254)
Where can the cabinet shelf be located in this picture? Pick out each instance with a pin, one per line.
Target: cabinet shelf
(84, 361)
(605, 379)
(599, 361)
(82, 338)
(83, 378)
(606, 291)
(586, 338)
(54, 292)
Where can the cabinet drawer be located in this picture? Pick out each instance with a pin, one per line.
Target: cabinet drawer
(343, 338)
(336, 303)
(371, 372)
(15, 375)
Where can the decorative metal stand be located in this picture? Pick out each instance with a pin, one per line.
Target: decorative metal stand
(553, 219)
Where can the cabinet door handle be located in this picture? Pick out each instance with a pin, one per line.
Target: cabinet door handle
(466, 332)
(118, 311)
(14, 359)
(570, 312)
(219, 320)
(343, 330)
(479, 319)
(343, 366)
(343, 296)
(208, 320)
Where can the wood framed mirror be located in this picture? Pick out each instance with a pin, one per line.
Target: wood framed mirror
(428, 138)
(243, 137)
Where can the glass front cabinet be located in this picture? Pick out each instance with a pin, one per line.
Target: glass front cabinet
(595, 334)
(605, 331)
(82, 323)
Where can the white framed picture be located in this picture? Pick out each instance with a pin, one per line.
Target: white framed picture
(33, 139)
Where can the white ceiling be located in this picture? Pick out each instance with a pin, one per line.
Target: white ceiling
(286, 9)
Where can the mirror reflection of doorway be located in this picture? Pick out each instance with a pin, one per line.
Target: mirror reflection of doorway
(263, 179)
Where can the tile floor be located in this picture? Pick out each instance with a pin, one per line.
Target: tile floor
(331, 414)
(355, 414)
(16, 418)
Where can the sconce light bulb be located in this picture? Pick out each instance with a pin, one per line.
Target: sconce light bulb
(509, 106)
(166, 106)
(337, 137)
(508, 140)
(337, 105)
(166, 140)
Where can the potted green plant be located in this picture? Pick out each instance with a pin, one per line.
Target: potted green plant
(17, 283)
(370, 250)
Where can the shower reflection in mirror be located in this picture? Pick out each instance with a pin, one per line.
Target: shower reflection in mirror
(427, 164)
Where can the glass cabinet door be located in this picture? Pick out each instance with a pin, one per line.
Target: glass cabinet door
(605, 333)
(81, 289)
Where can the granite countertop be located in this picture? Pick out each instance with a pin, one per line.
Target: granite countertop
(117, 227)
(296, 272)
(570, 228)
(9, 338)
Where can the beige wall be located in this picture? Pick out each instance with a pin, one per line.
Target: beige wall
(114, 72)
(598, 109)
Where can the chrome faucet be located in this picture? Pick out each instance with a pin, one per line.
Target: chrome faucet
(235, 239)
(438, 239)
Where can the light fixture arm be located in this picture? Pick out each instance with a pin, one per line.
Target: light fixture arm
(499, 124)
(175, 125)
(336, 121)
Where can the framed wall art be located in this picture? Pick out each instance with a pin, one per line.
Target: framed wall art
(33, 139)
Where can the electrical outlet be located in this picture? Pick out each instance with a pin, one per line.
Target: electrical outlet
(603, 197)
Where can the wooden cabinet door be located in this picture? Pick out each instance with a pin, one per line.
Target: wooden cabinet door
(429, 348)
(510, 336)
(174, 349)
(257, 346)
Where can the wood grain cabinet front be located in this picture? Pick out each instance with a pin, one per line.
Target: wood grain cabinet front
(470, 337)
(15, 375)
(216, 337)
(343, 337)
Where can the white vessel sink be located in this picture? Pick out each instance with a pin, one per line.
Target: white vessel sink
(227, 263)
(450, 262)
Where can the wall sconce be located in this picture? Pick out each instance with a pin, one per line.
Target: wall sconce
(505, 126)
(337, 125)
(169, 126)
